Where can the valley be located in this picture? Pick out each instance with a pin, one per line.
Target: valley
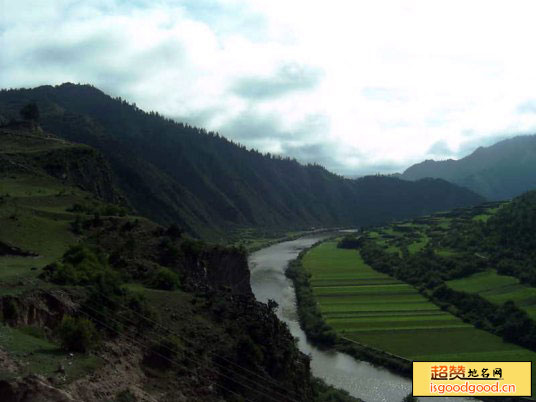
(267, 201)
(372, 305)
(212, 187)
(85, 275)
(145, 320)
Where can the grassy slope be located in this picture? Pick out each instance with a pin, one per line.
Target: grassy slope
(37, 355)
(33, 217)
(377, 310)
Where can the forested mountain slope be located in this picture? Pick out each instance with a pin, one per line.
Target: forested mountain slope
(498, 172)
(506, 238)
(172, 172)
(100, 305)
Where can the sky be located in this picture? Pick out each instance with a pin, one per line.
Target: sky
(360, 87)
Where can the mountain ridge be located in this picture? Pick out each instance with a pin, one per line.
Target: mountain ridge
(498, 172)
(173, 172)
(156, 315)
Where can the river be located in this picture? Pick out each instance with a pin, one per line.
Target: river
(359, 378)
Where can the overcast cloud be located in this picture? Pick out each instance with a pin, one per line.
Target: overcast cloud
(359, 87)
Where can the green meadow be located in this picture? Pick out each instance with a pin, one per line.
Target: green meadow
(26, 223)
(498, 289)
(34, 217)
(374, 309)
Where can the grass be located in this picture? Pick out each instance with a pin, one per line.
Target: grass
(39, 356)
(419, 245)
(498, 289)
(372, 308)
(488, 214)
(33, 218)
(29, 221)
(481, 218)
(416, 235)
(446, 252)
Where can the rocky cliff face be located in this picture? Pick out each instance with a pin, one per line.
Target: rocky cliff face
(218, 268)
(82, 167)
(141, 247)
(36, 308)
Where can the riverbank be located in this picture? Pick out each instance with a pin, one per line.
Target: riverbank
(323, 336)
(252, 240)
(371, 312)
(360, 378)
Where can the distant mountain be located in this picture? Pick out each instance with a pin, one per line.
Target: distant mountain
(498, 172)
(173, 172)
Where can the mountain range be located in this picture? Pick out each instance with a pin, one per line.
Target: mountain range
(498, 172)
(173, 172)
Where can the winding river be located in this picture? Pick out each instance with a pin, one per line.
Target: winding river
(359, 378)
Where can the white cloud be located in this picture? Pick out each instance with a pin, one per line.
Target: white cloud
(393, 82)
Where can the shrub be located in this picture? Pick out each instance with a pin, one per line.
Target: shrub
(349, 241)
(10, 309)
(164, 279)
(76, 225)
(163, 353)
(250, 353)
(140, 310)
(174, 231)
(30, 112)
(79, 266)
(77, 334)
(192, 248)
(170, 254)
(36, 332)
(126, 396)
(308, 312)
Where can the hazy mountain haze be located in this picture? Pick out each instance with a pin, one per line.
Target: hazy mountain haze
(501, 171)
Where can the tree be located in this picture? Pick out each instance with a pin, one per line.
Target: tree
(77, 334)
(164, 279)
(349, 241)
(30, 112)
(174, 231)
(163, 353)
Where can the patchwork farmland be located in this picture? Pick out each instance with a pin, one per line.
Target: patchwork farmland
(498, 289)
(374, 309)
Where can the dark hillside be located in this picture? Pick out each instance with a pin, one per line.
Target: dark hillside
(172, 172)
(37, 153)
(514, 225)
(99, 305)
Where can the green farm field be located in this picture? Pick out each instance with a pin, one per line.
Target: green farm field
(374, 309)
(498, 289)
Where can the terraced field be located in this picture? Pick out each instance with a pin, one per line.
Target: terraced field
(375, 309)
(498, 289)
